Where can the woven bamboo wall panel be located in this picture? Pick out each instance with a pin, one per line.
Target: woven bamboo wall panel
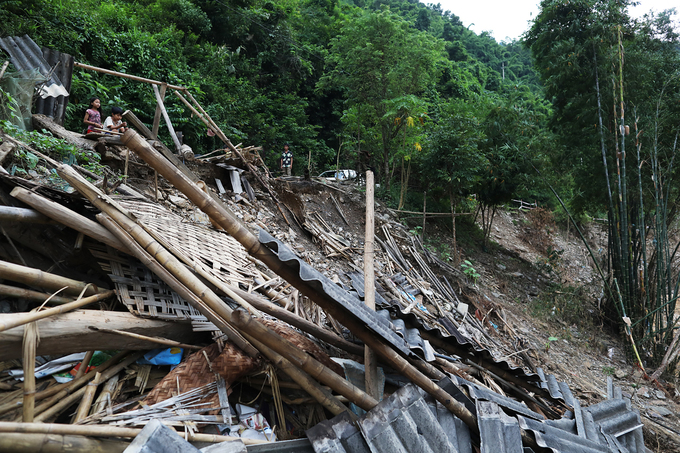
(139, 289)
(215, 251)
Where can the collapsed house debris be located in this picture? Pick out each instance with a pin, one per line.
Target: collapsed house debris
(271, 338)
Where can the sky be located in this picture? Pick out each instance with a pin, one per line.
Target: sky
(509, 19)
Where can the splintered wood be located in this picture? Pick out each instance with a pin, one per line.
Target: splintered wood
(333, 244)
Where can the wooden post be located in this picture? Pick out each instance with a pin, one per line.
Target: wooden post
(422, 233)
(171, 129)
(370, 360)
(456, 258)
(157, 115)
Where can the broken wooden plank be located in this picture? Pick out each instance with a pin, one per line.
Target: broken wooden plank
(68, 333)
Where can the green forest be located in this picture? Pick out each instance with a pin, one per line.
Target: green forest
(583, 111)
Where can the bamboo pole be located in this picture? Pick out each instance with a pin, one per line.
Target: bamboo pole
(107, 431)
(23, 215)
(211, 124)
(4, 68)
(370, 360)
(322, 396)
(31, 317)
(61, 390)
(84, 364)
(31, 339)
(123, 75)
(302, 360)
(258, 251)
(168, 123)
(104, 396)
(86, 402)
(58, 443)
(301, 323)
(23, 293)
(75, 396)
(159, 340)
(36, 277)
(157, 115)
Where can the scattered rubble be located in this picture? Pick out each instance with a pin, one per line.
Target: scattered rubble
(249, 291)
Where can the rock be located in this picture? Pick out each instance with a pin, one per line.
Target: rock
(533, 291)
(180, 202)
(662, 411)
(516, 274)
(643, 391)
(501, 266)
(620, 374)
(660, 395)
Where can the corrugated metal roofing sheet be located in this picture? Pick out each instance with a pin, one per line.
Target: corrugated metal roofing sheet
(349, 302)
(411, 421)
(25, 55)
(557, 390)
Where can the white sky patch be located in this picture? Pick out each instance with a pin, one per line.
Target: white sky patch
(506, 20)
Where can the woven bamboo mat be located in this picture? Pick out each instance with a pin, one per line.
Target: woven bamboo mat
(139, 289)
(218, 253)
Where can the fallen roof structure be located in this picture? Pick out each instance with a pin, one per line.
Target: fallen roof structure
(233, 289)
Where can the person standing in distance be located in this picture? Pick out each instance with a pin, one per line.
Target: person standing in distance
(286, 160)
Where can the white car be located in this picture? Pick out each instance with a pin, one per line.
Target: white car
(338, 175)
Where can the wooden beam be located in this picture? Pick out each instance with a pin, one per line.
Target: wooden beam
(370, 360)
(125, 76)
(157, 115)
(37, 315)
(166, 117)
(69, 333)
